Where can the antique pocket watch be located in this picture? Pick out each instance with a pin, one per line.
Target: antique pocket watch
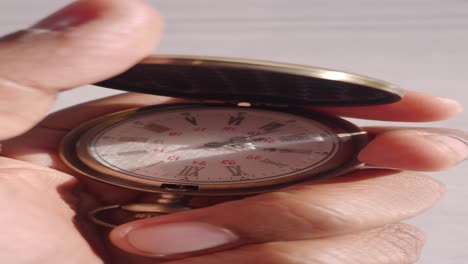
(248, 132)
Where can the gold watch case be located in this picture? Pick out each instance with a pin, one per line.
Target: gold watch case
(74, 152)
(228, 82)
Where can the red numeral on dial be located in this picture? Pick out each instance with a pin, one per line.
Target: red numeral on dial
(253, 133)
(174, 133)
(228, 162)
(229, 128)
(254, 157)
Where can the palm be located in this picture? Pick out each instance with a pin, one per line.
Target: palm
(40, 203)
(43, 199)
(45, 203)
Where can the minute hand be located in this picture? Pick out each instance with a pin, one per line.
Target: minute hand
(287, 150)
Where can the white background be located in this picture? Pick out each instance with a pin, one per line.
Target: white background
(417, 44)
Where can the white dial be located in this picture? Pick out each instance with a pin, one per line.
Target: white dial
(215, 145)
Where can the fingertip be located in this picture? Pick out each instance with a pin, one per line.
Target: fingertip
(118, 237)
(87, 11)
(85, 42)
(121, 35)
(414, 150)
(172, 239)
(427, 108)
(140, 21)
(413, 107)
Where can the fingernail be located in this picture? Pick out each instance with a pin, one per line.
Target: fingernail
(457, 142)
(451, 101)
(179, 238)
(72, 15)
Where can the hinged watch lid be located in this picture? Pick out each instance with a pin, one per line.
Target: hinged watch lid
(237, 80)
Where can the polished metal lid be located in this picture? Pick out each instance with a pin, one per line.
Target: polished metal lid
(237, 80)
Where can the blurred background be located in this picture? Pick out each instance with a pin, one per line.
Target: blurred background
(417, 44)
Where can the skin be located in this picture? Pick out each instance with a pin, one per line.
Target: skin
(352, 219)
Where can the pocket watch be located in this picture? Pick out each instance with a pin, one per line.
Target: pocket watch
(247, 131)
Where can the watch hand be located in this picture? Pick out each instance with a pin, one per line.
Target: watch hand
(185, 148)
(249, 138)
(239, 139)
(213, 145)
(286, 150)
(233, 140)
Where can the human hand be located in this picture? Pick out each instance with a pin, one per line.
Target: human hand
(352, 219)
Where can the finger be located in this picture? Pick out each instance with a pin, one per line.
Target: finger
(88, 41)
(71, 117)
(34, 199)
(419, 149)
(397, 243)
(360, 201)
(414, 107)
(39, 145)
(409, 149)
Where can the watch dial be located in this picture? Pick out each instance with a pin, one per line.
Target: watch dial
(215, 145)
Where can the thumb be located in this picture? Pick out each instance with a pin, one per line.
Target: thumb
(85, 42)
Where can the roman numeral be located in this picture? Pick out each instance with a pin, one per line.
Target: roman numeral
(236, 120)
(190, 171)
(189, 118)
(272, 126)
(192, 120)
(156, 128)
(277, 164)
(235, 170)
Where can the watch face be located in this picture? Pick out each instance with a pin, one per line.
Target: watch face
(214, 145)
(211, 146)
